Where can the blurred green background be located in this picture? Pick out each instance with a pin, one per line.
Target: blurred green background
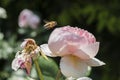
(100, 17)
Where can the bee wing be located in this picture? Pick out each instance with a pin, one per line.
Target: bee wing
(46, 25)
(50, 24)
(55, 23)
(45, 21)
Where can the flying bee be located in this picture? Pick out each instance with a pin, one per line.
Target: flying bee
(50, 24)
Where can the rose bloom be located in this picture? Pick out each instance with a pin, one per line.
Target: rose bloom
(77, 49)
(28, 18)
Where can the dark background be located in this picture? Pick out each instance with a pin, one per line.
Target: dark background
(100, 17)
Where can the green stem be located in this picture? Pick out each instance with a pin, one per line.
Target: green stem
(58, 75)
(38, 69)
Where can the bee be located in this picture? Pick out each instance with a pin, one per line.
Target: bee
(50, 24)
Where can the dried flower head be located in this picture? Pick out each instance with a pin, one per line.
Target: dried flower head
(23, 59)
(29, 45)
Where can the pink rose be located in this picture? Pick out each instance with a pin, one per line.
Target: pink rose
(76, 46)
(28, 18)
(74, 41)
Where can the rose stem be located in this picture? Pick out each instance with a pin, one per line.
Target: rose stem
(38, 69)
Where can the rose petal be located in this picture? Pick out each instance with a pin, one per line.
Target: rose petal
(34, 21)
(23, 44)
(17, 54)
(82, 55)
(73, 66)
(28, 67)
(57, 44)
(45, 49)
(15, 65)
(94, 62)
(84, 78)
(17, 61)
(24, 17)
(62, 42)
(89, 51)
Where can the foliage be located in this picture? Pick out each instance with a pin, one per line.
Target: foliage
(49, 69)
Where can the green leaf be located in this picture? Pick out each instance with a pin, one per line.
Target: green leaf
(48, 67)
